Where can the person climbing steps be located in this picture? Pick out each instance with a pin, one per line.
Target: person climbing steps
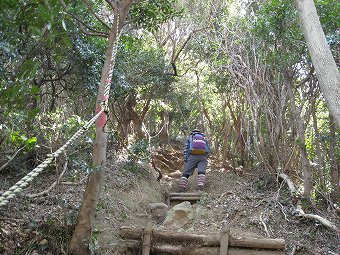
(196, 152)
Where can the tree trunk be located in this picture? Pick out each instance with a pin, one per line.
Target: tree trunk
(53, 96)
(226, 129)
(137, 119)
(323, 61)
(335, 194)
(199, 104)
(164, 133)
(307, 173)
(320, 160)
(79, 244)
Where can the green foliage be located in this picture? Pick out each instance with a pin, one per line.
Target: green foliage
(149, 14)
(204, 200)
(19, 139)
(132, 167)
(277, 25)
(139, 151)
(141, 65)
(14, 135)
(328, 12)
(57, 127)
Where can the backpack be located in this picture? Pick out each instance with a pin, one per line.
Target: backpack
(198, 144)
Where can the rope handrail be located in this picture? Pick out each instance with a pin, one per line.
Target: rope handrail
(18, 187)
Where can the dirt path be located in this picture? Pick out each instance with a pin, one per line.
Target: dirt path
(252, 205)
(250, 202)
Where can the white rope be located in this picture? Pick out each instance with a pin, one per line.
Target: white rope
(18, 187)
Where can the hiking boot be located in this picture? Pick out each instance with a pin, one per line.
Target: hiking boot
(201, 182)
(181, 189)
(183, 184)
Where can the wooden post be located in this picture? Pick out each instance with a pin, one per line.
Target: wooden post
(147, 239)
(224, 241)
(168, 200)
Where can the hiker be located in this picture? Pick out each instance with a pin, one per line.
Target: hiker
(196, 152)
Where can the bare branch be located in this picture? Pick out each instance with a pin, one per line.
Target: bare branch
(289, 182)
(322, 220)
(83, 26)
(112, 4)
(52, 186)
(9, 161)
(93, 32)
(96, 15)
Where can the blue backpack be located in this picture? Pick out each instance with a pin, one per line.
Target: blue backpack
(198, 144)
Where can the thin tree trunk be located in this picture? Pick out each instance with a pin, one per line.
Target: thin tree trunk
(199, 104)
(81, 239)
(164, 133)
(226, 130)
(136, 119)
(335, 194)
(323, 61)
(318, 147)
(307, 173)
(53, 96)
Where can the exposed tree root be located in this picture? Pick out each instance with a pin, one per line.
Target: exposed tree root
(301, 213)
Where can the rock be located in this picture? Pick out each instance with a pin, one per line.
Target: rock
(176, 174)
(156, 206)
(157, 211)
(180, 216)
(43, 242)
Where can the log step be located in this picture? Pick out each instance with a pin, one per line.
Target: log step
(166, 249)
(192, 194)
(178, 197)
(169, 237)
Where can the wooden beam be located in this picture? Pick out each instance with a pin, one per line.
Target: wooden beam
(168, 249)
(172, 237)
(194, 194)
(147, 239)
(224, 242)
(184, 198)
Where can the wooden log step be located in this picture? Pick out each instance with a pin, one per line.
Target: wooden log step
(161, 236)
(185, 198)
(169, 249)
(166, 249)
(193, 194)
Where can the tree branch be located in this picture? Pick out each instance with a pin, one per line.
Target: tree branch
(52, 186)
(9, 161)
(323, 221)
(83, 26)
(289, 182)
(96, 15)
(92, 32)
(301, 213)
(112, 4)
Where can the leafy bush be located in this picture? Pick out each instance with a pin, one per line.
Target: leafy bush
(139, 151)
